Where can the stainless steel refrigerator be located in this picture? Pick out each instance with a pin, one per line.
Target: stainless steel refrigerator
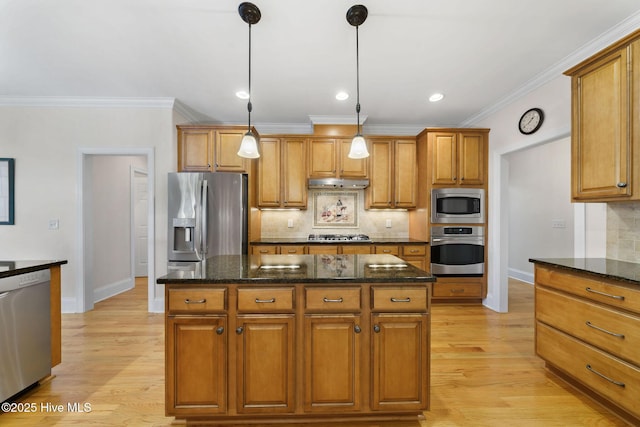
(207, 215)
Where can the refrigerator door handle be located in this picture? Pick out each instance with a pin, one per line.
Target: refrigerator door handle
(204, 217)
(197, 228)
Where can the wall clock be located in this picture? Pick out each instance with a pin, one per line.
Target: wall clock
(531, 121)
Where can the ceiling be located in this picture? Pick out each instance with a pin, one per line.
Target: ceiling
(477, 53)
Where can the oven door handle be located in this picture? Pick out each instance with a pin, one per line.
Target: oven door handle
(458, 241)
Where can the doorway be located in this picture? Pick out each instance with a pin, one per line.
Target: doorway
(100, 220)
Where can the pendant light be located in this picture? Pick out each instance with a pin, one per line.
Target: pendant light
(250, 14)
(356, 15)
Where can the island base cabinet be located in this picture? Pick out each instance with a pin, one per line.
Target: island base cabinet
(332, 363)
(196, 366)
(400, 368)
(265, 365)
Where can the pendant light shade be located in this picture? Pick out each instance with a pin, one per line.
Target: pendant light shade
(249, 146)
(250, 14)
(356, 15)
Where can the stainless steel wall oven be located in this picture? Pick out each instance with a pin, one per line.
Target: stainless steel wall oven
(457, 251)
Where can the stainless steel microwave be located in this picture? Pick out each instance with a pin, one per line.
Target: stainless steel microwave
(457, 206)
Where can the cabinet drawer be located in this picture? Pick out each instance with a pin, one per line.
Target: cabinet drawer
(388, 249)
(265, 300)
(590, 366)
(292, 250)
(335, 299)
(611, 330)
(596, 290)
(414, 250)
(196, 300)
(457, 290)
(264, 250)
(399, 298)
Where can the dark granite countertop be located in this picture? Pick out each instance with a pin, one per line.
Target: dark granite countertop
(278, 269)
(599, 267)
(13, 268)
(304, 241)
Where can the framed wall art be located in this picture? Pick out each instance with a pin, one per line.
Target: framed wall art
(7, 173)
(335, 209)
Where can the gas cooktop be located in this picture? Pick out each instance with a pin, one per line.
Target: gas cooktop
(338, 238)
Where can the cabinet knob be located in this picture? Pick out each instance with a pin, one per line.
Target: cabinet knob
(622, 184)
(376, 328)
(239, 330)
(357, 329)
(220, 330)
(462, 179)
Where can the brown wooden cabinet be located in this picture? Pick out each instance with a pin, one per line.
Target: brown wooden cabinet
(604, 125)
(205, 148)
(302, 352)
(328, 158)
(392, 172)
(587, 332)
(400, 341)
(457, 157)
(282, 173)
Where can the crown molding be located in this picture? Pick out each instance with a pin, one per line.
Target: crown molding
(85, 102)
(397, 130)
(624, 28)
(337, 120)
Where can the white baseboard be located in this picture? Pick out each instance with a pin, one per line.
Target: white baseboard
(523, 276)
(69, 305)
(107, 291)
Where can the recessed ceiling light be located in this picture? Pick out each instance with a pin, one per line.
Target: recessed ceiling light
(341, 96)
(242, 94)
(436, 97)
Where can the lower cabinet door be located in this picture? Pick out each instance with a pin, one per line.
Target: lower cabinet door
(196, 380)
(265, 364)
(400, 365)
(332, 360)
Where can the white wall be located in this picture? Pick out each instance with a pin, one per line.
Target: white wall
(45, 142)
(108, 248)
(539, 195)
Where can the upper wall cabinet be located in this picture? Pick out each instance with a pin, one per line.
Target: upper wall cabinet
(210, 149)
(282, 173)
(393, 179)
(328, 158)
(457, 157)
(605, 124)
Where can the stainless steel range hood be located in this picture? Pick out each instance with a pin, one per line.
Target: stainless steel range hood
(338, 183)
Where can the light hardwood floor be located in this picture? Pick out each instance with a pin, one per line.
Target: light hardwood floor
(484, 371)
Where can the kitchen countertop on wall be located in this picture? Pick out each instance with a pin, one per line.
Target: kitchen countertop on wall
(304, 241)
(599, 267)
(14, 268)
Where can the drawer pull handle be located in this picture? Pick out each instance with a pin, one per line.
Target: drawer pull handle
(457, 291)
(612, 381)
(593, 291)
(292, 251)
(200, 301)
(325, 299)
(591, 325)
(413, 251)
(265, 301)
(386, 251)
(400, 299)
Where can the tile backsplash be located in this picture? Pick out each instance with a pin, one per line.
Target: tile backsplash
(275, 223)
(623, 231)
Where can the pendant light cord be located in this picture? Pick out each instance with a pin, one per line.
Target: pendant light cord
(249, 106)
(357, 81)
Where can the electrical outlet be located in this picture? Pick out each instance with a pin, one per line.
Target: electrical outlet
(558, 223)
(54, 224)
(290, 223)
(387, 223)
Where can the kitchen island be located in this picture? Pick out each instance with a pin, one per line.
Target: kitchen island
(297, 338)
(587, 314)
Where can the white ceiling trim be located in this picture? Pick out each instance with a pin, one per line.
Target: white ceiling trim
(629, 25)
(85, 102)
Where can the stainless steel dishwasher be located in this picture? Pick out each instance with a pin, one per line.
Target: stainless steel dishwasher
(25, 331)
